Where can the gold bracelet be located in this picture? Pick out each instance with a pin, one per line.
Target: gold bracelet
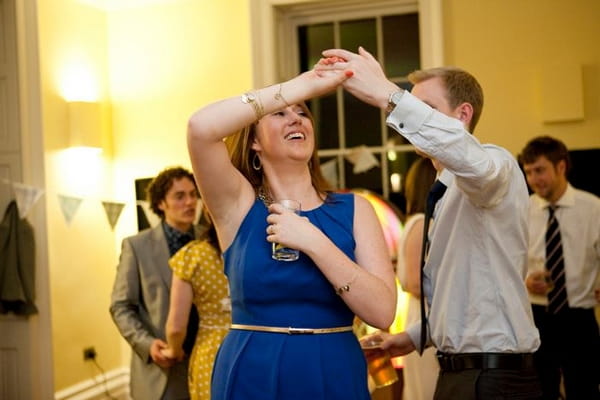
(346, 288)
(279, 96)
(253, 99)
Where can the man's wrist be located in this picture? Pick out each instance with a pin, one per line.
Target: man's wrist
(393, 99)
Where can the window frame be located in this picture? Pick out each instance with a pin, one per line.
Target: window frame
(274, 27)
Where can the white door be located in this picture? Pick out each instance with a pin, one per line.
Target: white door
(20, 365)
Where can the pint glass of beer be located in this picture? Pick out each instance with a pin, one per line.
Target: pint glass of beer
(379, 363)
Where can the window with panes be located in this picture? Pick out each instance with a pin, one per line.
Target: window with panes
(342, 122)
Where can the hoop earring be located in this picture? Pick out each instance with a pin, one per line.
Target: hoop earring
(256, 164)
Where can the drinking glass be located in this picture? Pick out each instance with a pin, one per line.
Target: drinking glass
(379, 364)
(280, 252)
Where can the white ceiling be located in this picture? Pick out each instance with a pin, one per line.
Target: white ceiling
(112, 5)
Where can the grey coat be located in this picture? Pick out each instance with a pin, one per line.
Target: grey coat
(139, 307)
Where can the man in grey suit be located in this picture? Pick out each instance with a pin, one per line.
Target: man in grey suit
(140, 297)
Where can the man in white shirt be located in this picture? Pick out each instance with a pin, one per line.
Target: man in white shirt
(570, 338)
(480, 319)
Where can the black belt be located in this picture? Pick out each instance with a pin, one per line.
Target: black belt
(461, 361)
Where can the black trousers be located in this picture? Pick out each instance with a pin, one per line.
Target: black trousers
(488, 384)
(571, 346)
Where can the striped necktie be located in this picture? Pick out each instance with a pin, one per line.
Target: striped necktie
(557, 296)
(435, 193)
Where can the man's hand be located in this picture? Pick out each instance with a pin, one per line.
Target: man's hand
(398, 344)
(159, 358)
(367, 81)
(537, 282)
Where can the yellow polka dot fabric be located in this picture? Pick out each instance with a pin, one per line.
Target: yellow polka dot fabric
(200, 264)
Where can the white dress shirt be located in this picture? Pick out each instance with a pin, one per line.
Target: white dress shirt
(578, 216)
(475, 271)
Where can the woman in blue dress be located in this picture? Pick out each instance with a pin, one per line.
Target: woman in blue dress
(291, 335)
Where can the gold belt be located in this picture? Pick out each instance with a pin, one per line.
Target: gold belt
(290, 330)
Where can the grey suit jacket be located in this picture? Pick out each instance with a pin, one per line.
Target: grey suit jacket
(139, 307)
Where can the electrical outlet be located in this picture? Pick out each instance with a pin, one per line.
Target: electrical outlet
(89, 353)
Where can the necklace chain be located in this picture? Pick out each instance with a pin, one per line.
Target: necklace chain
(264, 196)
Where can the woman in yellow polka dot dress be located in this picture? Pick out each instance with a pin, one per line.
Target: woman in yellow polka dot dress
(198, 278)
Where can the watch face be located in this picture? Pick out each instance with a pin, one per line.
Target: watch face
(248, 98)
(396, 97)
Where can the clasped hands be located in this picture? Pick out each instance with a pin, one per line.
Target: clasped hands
(360, 72)
(163, 355)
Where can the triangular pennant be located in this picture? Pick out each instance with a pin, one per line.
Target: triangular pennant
(69, 206)
(26, 197)
(330, 172)
(113, 211)
(362, 159)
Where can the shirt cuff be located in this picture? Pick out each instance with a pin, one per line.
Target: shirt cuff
(409, 114)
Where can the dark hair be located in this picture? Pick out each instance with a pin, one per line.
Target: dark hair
(553, 149)
(461, 87)
(159, 186)
(240, 150)
(207, 229)
(417, 183)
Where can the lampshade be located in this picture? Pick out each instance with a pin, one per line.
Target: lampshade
(85, 124)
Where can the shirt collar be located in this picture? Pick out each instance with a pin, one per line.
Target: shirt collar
(566, 200)
(176, 239)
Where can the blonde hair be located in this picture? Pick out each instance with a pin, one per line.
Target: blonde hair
(461, 87)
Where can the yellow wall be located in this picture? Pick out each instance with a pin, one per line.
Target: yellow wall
(165, 62)
(154, 65)
(73, 66)
(510, 46)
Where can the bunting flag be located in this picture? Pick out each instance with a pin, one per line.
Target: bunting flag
(330, 172)
(113, 211)
(362, 159)
(26, 196)
(69, 206)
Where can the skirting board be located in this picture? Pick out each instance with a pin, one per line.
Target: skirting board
(116, 382)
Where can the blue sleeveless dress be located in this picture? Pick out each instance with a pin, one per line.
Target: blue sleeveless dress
(277, 366)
